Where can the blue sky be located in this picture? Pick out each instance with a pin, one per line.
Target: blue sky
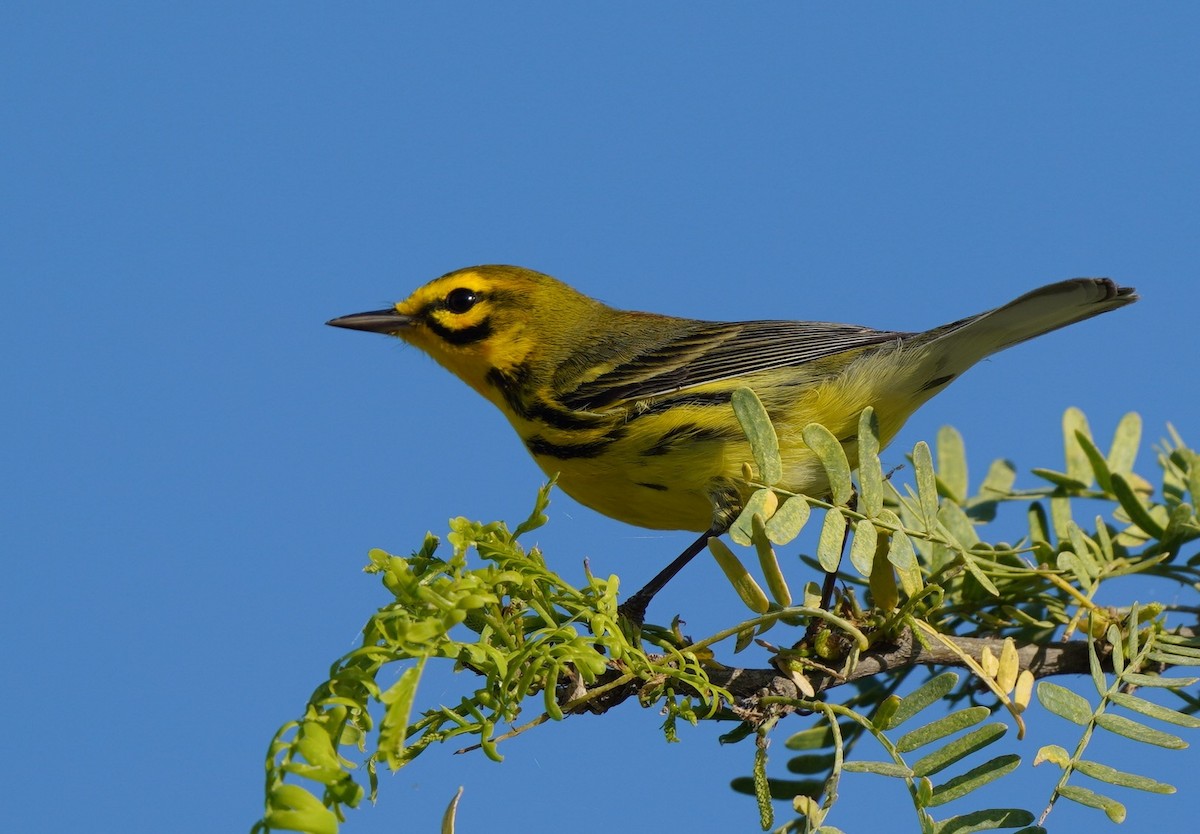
(196, 465)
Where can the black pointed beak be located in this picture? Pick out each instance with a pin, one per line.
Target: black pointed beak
(376, 321)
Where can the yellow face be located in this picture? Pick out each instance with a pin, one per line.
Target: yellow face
(473, 320)
(504, 319)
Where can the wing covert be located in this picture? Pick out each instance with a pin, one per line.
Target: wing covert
(715, 351)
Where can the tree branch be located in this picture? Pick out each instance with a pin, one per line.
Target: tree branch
(1059, 658)
(749, 686)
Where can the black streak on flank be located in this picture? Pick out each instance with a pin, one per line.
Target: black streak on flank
(937, 383)
(658, 487)
(461, 336)
(514, 386)
(687, 434)
(538, 445)
(511, 384)
(718, 398)
(561, 418)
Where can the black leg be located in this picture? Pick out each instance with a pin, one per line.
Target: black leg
(634, 608)
(827, 588)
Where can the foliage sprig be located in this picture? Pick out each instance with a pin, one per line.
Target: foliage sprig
(922, 590)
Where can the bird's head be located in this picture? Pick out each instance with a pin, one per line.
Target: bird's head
(485, 318)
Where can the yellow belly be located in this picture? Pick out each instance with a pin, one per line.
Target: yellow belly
(666, 470)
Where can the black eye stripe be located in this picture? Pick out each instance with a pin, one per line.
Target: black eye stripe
(463, 335)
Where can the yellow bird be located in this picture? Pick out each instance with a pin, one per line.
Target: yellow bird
(632, 411)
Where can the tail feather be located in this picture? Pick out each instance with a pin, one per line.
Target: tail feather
(1045, 309)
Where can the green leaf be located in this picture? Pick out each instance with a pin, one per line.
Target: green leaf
(538, 516)
(1115, 810)
(1000, 478)
(945, 726)
(1119, 777)
(814, 738)
(829, 545)
(952, 463)
(1104, 542)
(292, 808)
(1193, 479)
(958, 525)
(1096, 670)
(1054, 754)
(1084, 549)
(747, 588)
(870, 470)
(743, 640)
(904, 559)
(810, 811)
(1126, 440)
(1171, 658)
(1181, 523)
(982, 578)
(1039, 527)
(1116, 644)
(897, 771)
(788, 520)
(833, 458)
(316, 746)
(862, 547)
(996, 484)
(987, 820)
(1185, 653)
(974, 778)
(932, 691)
(1133, 506)
(882, 717)
(958, 749)
(1069, 562)
(1157, 681)
(1139, 732)
(1135, 619)
(1058, 478)
(756, 424)
(1078, 466)
(739, 733)
(924, 791)
(742, 529)
(926, 484)
(1064, 703)
(398, 701)
(1095, 459)
(769, 563)
(1180, 646)
(451, 812)
(1060, 514)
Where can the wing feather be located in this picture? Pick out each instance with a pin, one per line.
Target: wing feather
(706, 352)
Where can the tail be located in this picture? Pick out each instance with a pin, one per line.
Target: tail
(965, 342)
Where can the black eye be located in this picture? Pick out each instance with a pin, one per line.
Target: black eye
(461, 300)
